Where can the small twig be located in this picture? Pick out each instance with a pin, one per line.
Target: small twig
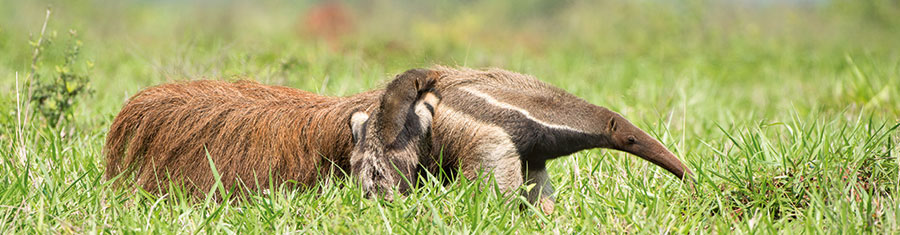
(19, 126)
(13, 207)
(324, 84)
(34, 58)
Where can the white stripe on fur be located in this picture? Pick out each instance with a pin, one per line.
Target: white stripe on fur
(527, 114)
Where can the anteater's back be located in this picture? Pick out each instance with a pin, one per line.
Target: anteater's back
(494, 115)
(250, 131)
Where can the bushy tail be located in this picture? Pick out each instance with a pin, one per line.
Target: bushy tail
(123, 149)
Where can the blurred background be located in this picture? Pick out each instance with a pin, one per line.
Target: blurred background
(838, 52)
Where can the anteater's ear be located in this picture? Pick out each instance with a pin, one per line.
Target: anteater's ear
(398, 100)
(358, 125)
(612, 126)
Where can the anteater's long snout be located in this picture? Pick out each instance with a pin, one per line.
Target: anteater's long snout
(657, 154)
(667, 160)
(653, 151)
(629, 138)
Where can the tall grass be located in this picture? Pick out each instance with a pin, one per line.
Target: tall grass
(788, 112)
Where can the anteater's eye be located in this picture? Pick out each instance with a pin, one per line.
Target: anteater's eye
(631, 140)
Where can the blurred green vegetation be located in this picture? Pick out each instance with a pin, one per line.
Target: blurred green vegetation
(785, 108)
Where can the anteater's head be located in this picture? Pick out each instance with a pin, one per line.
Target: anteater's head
(621, 135)
(389, 141)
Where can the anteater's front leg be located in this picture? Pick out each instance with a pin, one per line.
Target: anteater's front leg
(539, 189)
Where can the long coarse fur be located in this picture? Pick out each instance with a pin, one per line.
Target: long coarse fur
(251, 132)
(258, 135)
(493, 123)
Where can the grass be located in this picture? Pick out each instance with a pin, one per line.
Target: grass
(787, 112)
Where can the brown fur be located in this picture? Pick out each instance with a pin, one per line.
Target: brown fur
(493, 123)
(250, 131)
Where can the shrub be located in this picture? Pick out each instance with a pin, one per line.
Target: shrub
(56, 93)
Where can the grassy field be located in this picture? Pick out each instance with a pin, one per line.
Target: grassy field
(788, 112)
